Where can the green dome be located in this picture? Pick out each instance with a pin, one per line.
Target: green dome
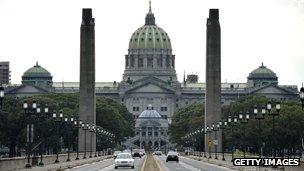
(150, 37)
(262, 72)
(36, 71)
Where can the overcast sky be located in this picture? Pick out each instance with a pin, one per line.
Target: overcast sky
(255, 31)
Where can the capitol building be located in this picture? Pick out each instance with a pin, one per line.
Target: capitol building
(150, 79)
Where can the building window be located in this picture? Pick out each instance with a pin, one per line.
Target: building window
(135, 108)
(149, 134)
(159, 62)
(156, 134)
(176, 105)
(150, 62)
(163, 108)
(140, 63)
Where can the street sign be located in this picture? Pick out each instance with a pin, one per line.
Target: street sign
(215, 142)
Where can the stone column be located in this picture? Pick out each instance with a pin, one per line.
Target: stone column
(164, 62)
(87, 106)
(213, 75)
(136, 62)
(129, 61)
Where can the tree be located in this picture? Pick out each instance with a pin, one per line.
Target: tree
(110, 115)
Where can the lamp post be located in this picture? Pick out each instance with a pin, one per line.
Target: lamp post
(302, 96)
(85, 127)
(232, 122)
(209, 140)
(1, 96)
(259, 116)
(68, 122)
(30, 128)
(223, 126)
(215, 129)
(58, 120)
(91, 128)
(244, 120)
(273, 114)
(42, 115)
(77, 124)
(95, 132)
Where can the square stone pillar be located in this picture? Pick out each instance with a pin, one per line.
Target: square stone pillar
(87, 105)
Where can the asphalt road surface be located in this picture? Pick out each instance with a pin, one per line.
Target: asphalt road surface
(186, 164)
(108, 165)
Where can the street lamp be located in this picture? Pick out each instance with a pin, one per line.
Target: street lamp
(273, 114)
(42, 115)
(222, 127)
(77, 124)
(68, 123)
(302, 96)
(259, 116)
(244, 120)
(58, 120)
(232, 122)
(30, 128)
(215, 129)
(91, 130)
(1, 96)
(208, 130)
(85, 128)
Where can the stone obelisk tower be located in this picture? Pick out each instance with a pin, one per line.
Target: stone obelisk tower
(87, 104)
(213, 78)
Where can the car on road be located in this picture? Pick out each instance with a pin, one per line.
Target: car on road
(142, 152)
(116, 153)
(159, 153)
(136, 153)
(172, 156)
(124, 160)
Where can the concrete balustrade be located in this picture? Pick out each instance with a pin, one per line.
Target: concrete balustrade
(9, 164)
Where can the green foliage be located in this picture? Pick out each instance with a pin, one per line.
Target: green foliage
(110, 115)
(287, 134)
(186, 120)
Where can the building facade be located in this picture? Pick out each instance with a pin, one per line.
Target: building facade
(150, 78)
(5, 73)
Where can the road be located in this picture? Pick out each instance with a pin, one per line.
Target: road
(108, 165)
(186, 164)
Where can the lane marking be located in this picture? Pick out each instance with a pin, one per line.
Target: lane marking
(107, 168)
(187, 166)
(144, 164)
(206, 163)
(156, 161)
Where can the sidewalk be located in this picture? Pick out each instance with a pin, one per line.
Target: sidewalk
(67, 165)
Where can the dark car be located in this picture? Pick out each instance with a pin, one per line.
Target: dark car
(172, 156)
(136, 153)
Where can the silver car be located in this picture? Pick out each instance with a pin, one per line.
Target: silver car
(124, 160)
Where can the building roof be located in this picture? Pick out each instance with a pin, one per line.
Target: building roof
(37, 71)
(150, 36)
(149, 113)
(262, 72)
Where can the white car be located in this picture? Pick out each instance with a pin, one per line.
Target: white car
(124, 160)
